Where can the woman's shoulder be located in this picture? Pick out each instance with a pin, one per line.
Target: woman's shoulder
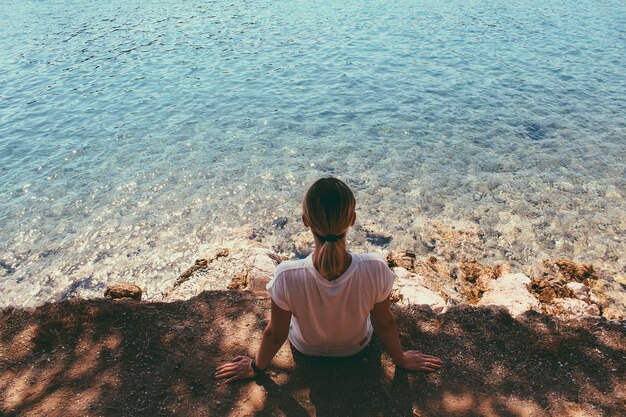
(286, 273)
(374, 266)
(370, 258)
(290, 266)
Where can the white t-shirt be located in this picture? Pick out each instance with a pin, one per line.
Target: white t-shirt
(331, 318)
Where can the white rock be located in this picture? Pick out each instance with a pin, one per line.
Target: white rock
(510, 291)
(579, 290)
(407, 278)
(419, 295)
(572, 307)
(260, 267)
(401, 273)
(413, 292)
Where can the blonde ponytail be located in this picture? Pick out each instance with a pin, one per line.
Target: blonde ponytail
(328, 261)
(329, 210)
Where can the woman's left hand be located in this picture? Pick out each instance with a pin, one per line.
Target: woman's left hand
(239, 368)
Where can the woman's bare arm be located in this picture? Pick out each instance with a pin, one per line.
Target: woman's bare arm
(385, 326)
(274, 336)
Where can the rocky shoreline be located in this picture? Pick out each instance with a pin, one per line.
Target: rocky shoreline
(446, 267)
(556, 287)
(170, 273)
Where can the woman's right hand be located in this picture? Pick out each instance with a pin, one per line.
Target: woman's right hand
(416, 361)
(239, 368)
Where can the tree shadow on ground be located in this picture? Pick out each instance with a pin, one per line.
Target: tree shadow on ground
(98, 357)
(83, 357)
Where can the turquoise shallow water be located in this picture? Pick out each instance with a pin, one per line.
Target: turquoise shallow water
(136, 135)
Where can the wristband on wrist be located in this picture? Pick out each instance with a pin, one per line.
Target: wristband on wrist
(255, 368)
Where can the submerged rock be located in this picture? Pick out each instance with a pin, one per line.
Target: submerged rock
(211, 271)
(201, 264)
(378, 239)
(303, 244)
(198, 265)
(448, 241)
(75, 288)
(7, 267)
(512, 292)
(257, 234)
(535, 131)
(280, 222)
(123, 290)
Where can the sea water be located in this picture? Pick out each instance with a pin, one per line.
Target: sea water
(137, 135)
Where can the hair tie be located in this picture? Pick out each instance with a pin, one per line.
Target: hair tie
(329, 238)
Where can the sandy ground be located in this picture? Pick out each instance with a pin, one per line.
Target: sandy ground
(122, 358)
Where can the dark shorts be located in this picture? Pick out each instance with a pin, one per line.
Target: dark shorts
(371, 351)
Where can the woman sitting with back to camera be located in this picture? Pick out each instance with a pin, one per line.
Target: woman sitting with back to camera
(329, 303)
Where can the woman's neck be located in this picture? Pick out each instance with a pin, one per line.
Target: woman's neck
(346, 258)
